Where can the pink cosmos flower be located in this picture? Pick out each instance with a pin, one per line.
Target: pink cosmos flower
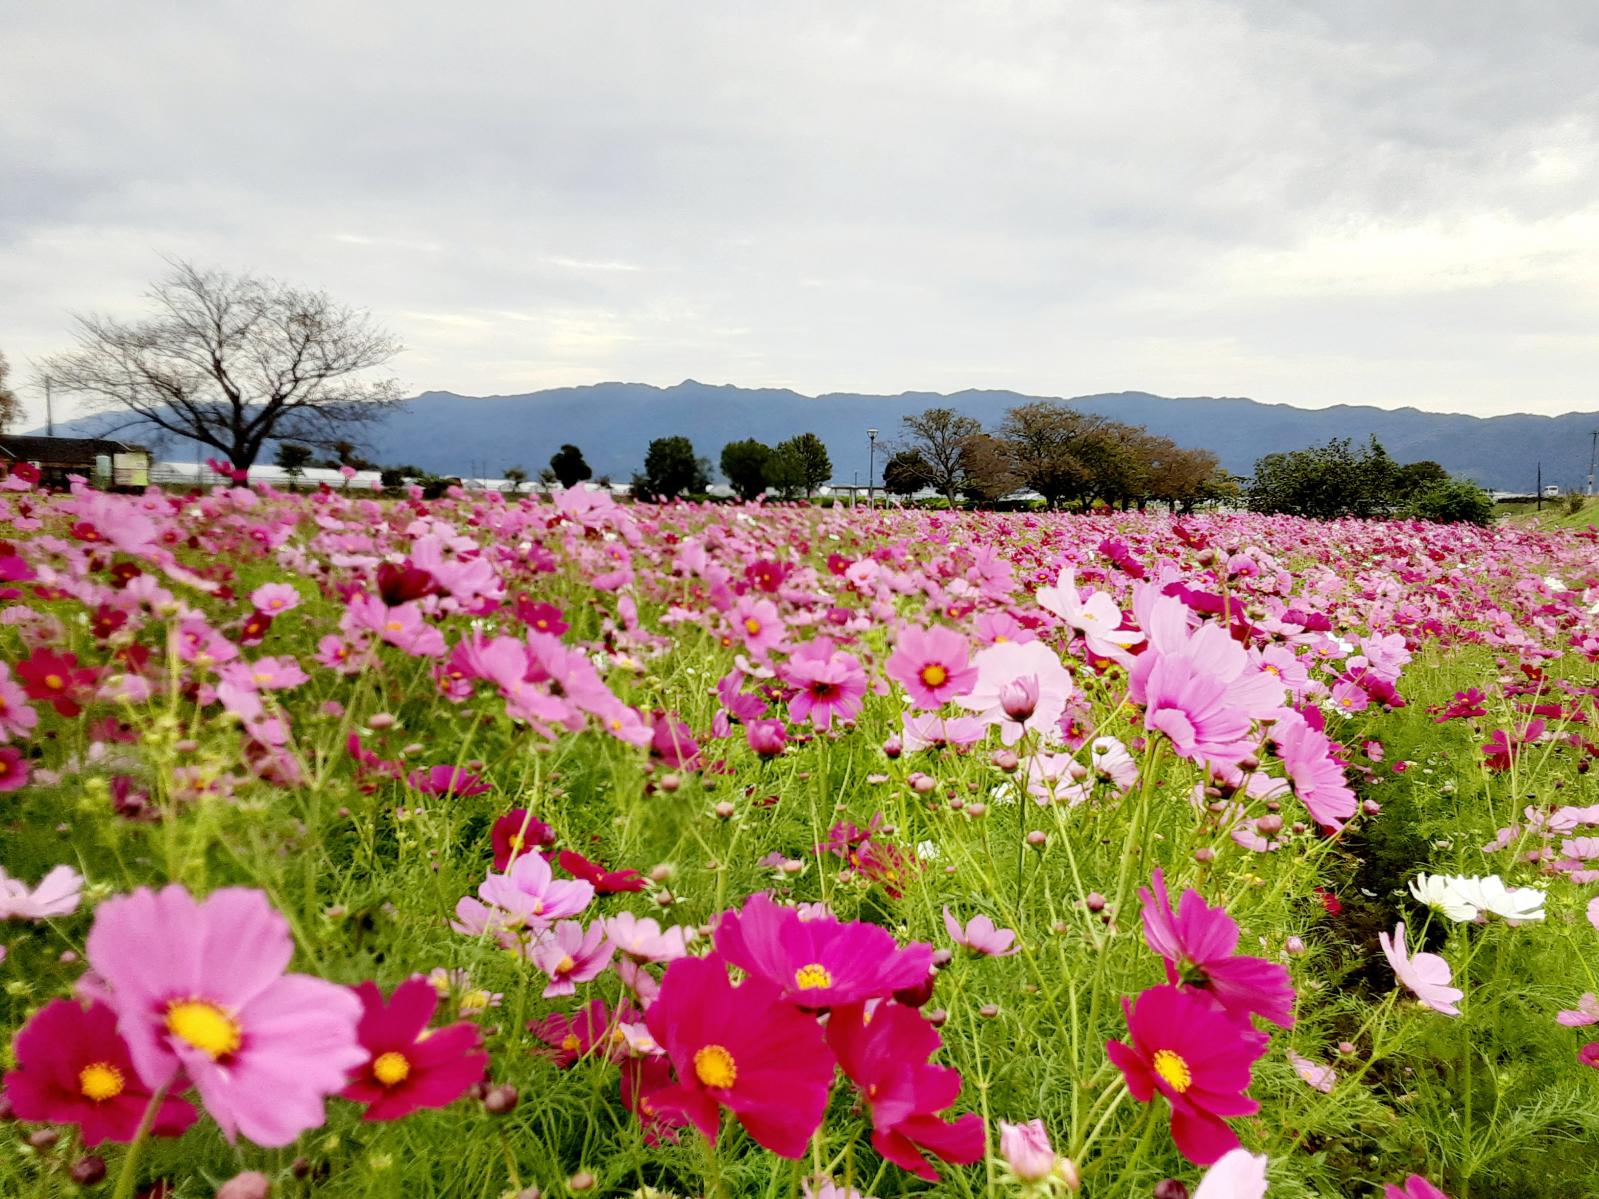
(822, 962)
(17, 717)
(641, 938)
(929, 730)
(569, 955)
(1097, 618)
(1586, 1012)
(73, 1068)
(981, 936)
(1317, 776)
(57, 894)
(1321, 1077)
(759, 624)
(1426, 974)
(530, 892)
(1237, 1174)
(199, 989)
(1026, 1150)
(742, 1048)
(1588, 1055)
(274, 598)
(410, 1066)
(766, 737)
(1199, 944)
(829, 684)
(932, 665)
(885, 1055)
(1186, 1046)
(1020, 687)
(1416, 1187)
(447, 781)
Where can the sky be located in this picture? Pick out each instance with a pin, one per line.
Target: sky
(1300, 201)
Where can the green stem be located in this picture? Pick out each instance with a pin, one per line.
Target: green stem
(130, 1162)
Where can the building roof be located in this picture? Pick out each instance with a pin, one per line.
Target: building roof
(62, 451)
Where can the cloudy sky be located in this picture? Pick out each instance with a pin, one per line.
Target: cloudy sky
(1306, 202)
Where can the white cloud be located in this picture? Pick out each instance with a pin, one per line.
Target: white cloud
(1309, 202)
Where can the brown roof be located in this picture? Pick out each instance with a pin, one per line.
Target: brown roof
(58, 451)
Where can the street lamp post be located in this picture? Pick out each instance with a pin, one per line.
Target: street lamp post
(871, 468)
(1593, 452)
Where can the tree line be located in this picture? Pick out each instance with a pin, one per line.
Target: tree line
(1066, 456)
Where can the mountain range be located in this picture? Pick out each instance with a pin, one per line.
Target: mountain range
(613, 423)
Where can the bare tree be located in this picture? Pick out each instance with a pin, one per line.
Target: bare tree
(940, 435)
(1048, 441)
(10, 406)
(232, 360)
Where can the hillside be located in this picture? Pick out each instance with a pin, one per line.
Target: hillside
(614, 422)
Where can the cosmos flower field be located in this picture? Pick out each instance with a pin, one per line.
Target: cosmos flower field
(488, 846)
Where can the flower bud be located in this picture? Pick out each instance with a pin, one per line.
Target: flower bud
(581, 1183)
(1294, 945)
(1170, 1188)
(1037, 838)
(1094, 901)
(501, 1100)
(87, 1171)
(252, 1184)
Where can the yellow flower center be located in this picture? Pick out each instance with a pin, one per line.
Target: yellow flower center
(813, 977)
(566, 965)
(714, 1067)
(1173, 1069)
(391, 1069)
(100, 1081)
(753, 626)
(205, 1026)
(475, 1001)
(394, 626)
(516, 841)
(54, 681)
(570, 1043)
(934, 675)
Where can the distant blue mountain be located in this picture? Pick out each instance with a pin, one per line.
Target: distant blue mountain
(613, 423)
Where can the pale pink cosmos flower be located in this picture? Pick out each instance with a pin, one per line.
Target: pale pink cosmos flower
(57, 894)
(199, 990)
(929, 730)
(1026, 1150)
(1585, 1013)
(273, 598)
(640, 937)
(1318, 1076)
(829, 684)
(1097, 618)
(17, 717)
(530, 892)
(1236, 1174)
(571, 955)
(981, 936)
(1020, 687)
(1426, 974)
(1317, 777)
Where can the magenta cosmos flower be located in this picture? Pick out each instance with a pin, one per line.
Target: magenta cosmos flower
(1186, 1046)
(932, 664)
(885, 1054)
(1426, 974)
(410, 1067)
(1198, 943)
(199, 989)
(741, 1048)
(73, 1068)
(1416, 1187)
(822, 962)
(828, 684)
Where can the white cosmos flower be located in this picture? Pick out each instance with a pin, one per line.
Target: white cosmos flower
(1461, 898)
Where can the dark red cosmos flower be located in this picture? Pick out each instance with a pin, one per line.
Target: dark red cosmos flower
(541, 617)
(643, 1078)
(410, 1067)
(73, 1068)
(741, 1048)
(766, 575)
(606, 882)
(401, 584)
(57, 678)
(885, 1055)
(576, 1036)
(515, 833)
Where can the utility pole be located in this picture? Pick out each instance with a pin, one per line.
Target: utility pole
(1540, 487)
(50, 413)
(871, 468)
(1593, 452)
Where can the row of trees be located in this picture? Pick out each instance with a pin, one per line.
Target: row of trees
(1065, 455)
(1335, 480)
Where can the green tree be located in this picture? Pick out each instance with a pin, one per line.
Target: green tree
(1049, 444)
(906, 473)
(10, 406)
(1451, 501)
(1325, 482)
(293, 459)
(939, 436)
(671, 470)
(785, 470)
(568, 466)
(515, 476)
(813, 465)
(744, 465)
